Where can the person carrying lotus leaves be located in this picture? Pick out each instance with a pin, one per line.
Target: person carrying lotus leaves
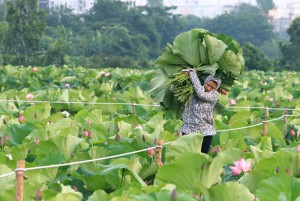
(198, 112)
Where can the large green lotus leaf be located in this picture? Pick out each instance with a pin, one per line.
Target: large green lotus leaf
(212, 172)
(19, 152)
(265, 144)
(37, 113)
(188, 143)
(69, 79)
(94, 182)
(8, 194)
(169, 70)
(49, 158)
(18, 133)
(203, 52)
(185, 172)
(252, 179)
(278, 161)
(274, 131)
(98, 195)
(174, 107)
(61, 97)
(208, 69)
(41, 176)
(66, 144)
(230, 42)
(133, 166)
(93, 153)
(215, 48)
(232, 191)
(230, 63)
(56, 128)
(165, 195)
(186, 46)
(158, 86)
(67, 193)
(279, 187)
(168, 57)
(5, 108)
(241, 116)
(157, 122)
(8, 181)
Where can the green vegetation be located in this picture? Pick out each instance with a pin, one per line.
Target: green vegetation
(111, 35)
(51, 115)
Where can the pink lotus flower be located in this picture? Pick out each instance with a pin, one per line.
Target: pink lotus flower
(67, 85)
(240, 166)
(29, 96)
(88, 122)
(37, 141)
(151, 152)
(139, 127)
(35, 69)
(232, 102)
(298, 148)
(292, 133)
(107, 74)
(85, 133)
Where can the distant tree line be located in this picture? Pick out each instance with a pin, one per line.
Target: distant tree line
(111, 35)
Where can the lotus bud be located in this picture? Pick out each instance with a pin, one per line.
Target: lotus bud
(38, 194)
(85, 133)
(37, 141)
(35, 69)
(117, 137)
(292, 133)
(174, 195)
(277, 169)
(151, 152)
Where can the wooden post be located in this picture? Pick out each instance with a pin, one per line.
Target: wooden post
(20, 174)
(264, 132)
(285, 122)
(133, 108)
(158, 152)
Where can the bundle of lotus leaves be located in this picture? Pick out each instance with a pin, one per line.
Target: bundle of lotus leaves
(208, 53)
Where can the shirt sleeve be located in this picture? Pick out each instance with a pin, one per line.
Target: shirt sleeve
(200, 91)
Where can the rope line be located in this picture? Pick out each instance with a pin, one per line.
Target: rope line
(270, 108)
(130, 153)
(77, 102)
(7, 174)
(137, 104)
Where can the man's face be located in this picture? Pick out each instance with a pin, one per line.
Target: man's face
(210, 86)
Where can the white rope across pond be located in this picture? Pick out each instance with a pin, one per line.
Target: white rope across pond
(78, 102)
(134, 152)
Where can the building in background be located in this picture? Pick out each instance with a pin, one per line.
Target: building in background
(135, 3)
(78, 6)
(282, 17)
(44, 3)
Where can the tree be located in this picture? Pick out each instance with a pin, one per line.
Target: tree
(63, 16)
(26, 26)
(265, 5)
(290, 49)
(255, 58)
(2, 11)
(245, 23)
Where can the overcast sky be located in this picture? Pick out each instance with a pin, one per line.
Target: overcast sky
(277, 2)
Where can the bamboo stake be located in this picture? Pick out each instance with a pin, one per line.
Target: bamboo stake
(133, 108)
(158, 152)
(285, 122)
(264, 132)
(20, 174)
